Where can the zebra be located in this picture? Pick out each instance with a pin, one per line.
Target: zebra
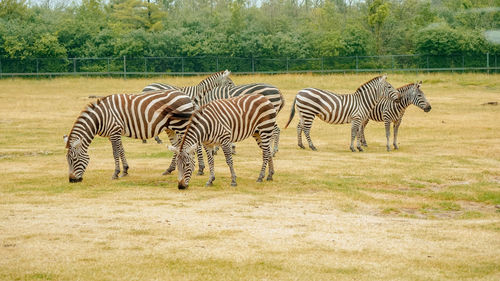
(390, 112)
(270, 92)
(217, 79)
(220, 78)
(136, 116)
(223, 122)
(339, 109)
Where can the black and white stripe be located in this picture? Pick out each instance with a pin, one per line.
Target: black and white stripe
(389, 112)
(217, 79)
(272, 93)
(223, 122)
(136, 116)
(339, 109)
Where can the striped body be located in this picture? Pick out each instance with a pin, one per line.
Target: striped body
(339, 109)
(272, 93)
(223, 122)
(217, 79)
(136, 116)
(389, 112)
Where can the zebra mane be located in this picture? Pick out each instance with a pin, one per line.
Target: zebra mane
(367, 83)
(405, 87)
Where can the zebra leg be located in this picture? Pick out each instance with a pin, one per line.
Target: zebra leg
(267, 158)
(388, 133)
(362, 133)
(144, 141)
(356, 124)
(233, 148)
(172, 137)
(124, 161)
(299, 135)
(276, 136)
(158, 140)
(396, 129)
(210, 160)
(226, 148)
(306, 126)
(201, 163)
(116, 144)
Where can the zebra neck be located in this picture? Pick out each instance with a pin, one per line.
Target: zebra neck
(405, 101)
(191, 137)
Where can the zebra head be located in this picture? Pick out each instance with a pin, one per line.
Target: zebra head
(387, 90)
(185, 164)
(77, 157)
(419, 98)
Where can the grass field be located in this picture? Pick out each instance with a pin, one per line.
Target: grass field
(428, 211)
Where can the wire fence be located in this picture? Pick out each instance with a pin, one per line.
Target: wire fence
(150, 66)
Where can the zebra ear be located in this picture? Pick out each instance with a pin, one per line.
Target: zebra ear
(226, 73)
(419, 83)
(173, 148)
(384, 77)
(76, 143)
(191, 149)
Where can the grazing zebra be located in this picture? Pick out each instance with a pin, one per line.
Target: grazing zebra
(339, 109)
(270, 92)
(223, 122)
(136, 116)
(388, 111)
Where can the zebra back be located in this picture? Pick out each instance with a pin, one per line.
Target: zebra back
(220, 78)
(272, 93)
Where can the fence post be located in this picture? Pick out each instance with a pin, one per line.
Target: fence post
(356, 64)
(287, 58)
(427, 63)
(253, 64)
(37, 67)
(182, 65)
(322, 64)
(463, 63)
(74, 65)
(0, 68)
(124, 67)
(108, 67)
(217, 64)
(488, 62)
(145, 65)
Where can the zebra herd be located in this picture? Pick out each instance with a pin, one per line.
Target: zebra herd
(216, 112)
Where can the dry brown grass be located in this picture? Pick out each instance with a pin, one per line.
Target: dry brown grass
(425, 212)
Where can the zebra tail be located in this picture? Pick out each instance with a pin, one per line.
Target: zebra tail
(292, 113)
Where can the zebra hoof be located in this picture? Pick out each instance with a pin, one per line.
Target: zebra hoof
(352, 149)
(167, 172)
(123, 175)
(114, 177)
(360, 149)
(200, 173)
(209, 184)
(301, 146)
(313, 148)
(233, 183)
(269, 179)
(259, 180)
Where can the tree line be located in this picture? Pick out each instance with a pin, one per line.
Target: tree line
(245, 28)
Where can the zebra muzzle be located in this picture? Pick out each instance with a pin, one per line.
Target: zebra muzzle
(75, 179)
(182, 185)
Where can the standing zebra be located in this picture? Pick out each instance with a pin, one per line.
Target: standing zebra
(388, 111)
(136, 116)
(223, 122)
(270, 92)
(339, 109)
(217, 79)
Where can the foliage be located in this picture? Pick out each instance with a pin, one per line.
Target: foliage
(244, 28)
